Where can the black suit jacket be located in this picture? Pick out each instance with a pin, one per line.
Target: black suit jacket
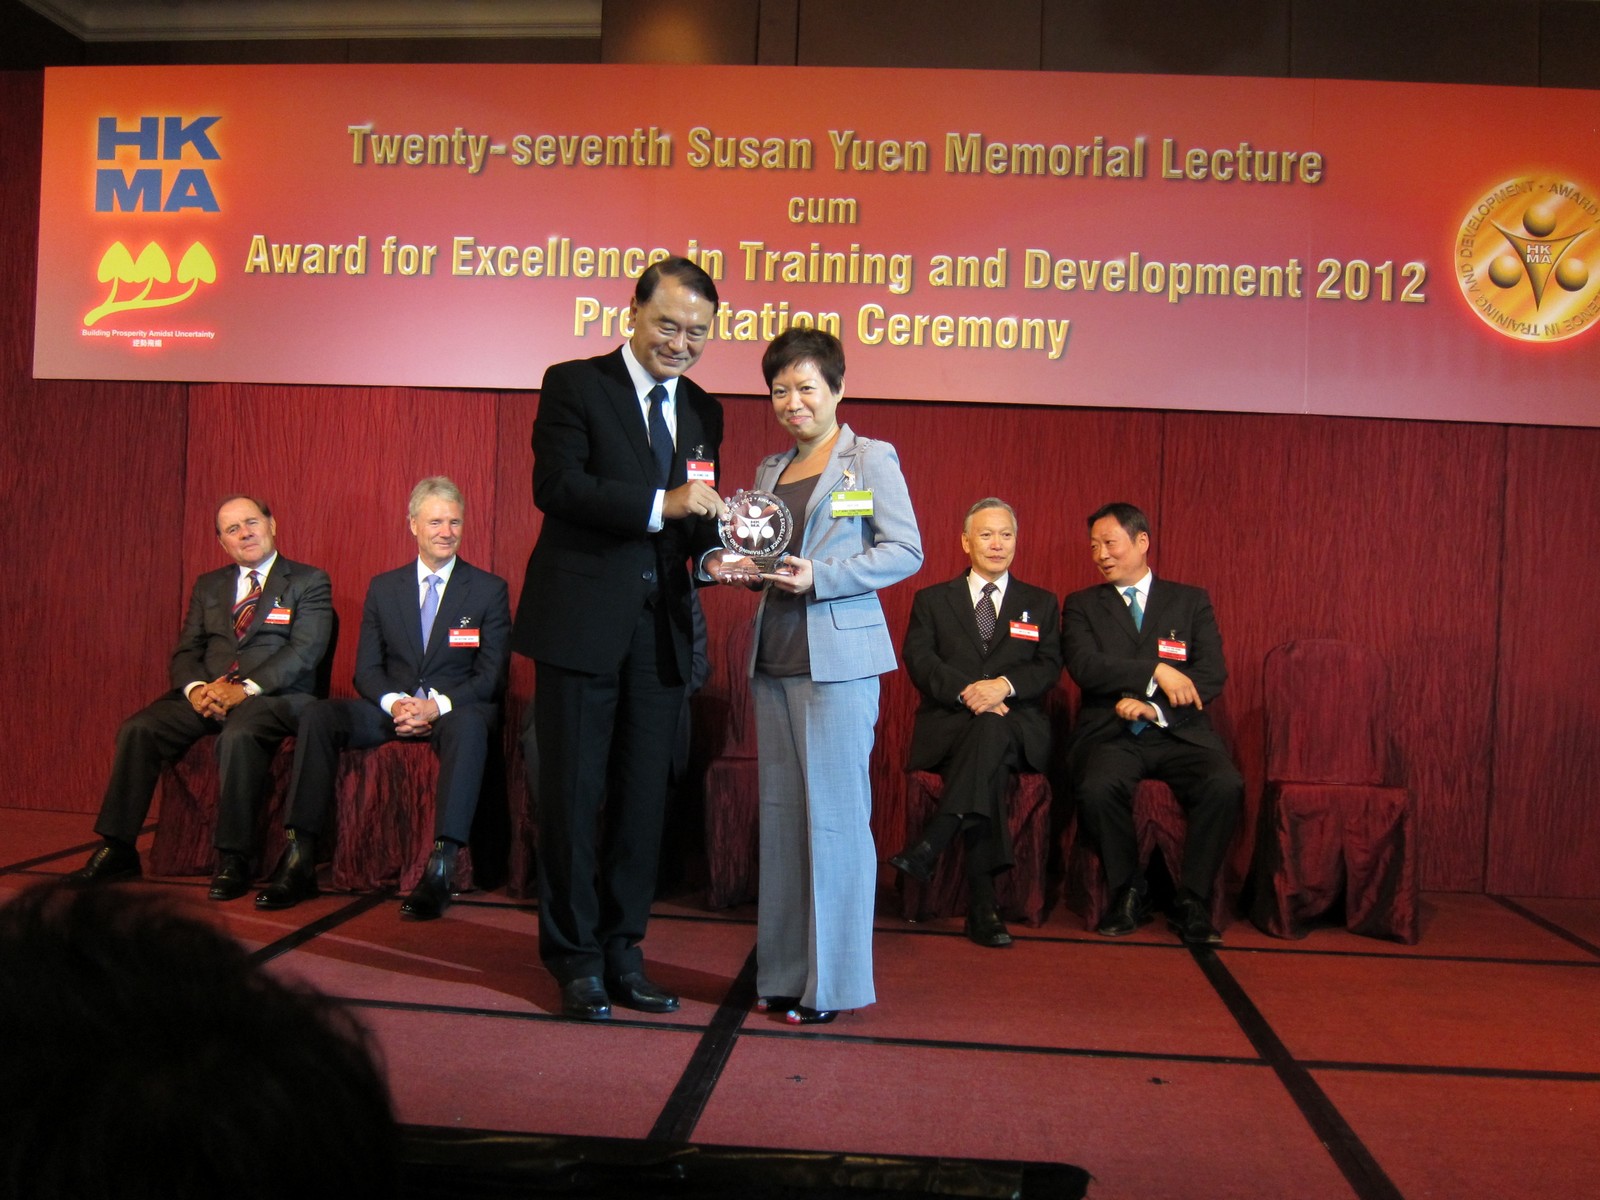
(1109, 659)
(279, 653)
(595, 565)
(943, 653)
(391, 657)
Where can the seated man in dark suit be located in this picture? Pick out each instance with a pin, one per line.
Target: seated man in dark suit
(984, 650)
(435, 641)
(1148, 657)
(245, 668)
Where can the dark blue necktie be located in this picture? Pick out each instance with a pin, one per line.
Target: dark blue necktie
(660, 435)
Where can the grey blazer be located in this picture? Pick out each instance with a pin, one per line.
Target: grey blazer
(851, 557)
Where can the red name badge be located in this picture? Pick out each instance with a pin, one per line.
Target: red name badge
(464, 637)
(702, 469)
(1172, 648)
(1021, 629)
(279, 616)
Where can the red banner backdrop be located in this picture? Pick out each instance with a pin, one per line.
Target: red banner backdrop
(1246, 244)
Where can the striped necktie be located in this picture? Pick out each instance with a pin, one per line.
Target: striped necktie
(245, 610)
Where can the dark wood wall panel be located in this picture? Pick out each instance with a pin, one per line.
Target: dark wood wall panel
(1000, 35)
(1170, 37)
(1426, 41)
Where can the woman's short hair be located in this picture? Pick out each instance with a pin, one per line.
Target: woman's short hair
(801, 343)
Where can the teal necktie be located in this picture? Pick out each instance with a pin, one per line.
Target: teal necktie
(1137, 613)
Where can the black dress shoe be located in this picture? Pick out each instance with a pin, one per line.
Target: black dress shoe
(766, 1004)
(635, 990)
(295, 878)
(584, 998)
(916, 861)
(232, 879)
(1190, 919)
(1128, 911)
(432, 894)
(113, 860)
(801, 1015)
(985, 927)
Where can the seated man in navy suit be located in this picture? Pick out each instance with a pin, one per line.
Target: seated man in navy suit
(245, 669)
(435, 641)
(984, 650)
(1148, 657)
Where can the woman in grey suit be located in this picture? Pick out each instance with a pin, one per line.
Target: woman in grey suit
(819, 644)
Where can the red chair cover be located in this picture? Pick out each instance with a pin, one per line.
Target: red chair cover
(1159, 824)
(384, 815)
(1330, 842)
(1020, 893)
(189, 791)
(1331, 829)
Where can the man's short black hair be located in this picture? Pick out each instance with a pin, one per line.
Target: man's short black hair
(1130, 516)
(690, 274)
(144, 1055)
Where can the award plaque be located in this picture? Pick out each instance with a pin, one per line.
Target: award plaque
(757, 526)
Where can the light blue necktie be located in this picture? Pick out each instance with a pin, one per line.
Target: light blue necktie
(430, 610)
(1136, 611)
(430, 607)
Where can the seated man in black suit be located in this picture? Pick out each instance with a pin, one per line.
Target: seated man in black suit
(435, 641)
(1148, 657)
(245, 669)
(984, 650)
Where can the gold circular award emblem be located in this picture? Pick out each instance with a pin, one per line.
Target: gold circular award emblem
(1528, 258)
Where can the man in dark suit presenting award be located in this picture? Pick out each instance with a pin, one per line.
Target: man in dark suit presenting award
(624, 471)
(245, 668)
(431, 665)
(984, 650)
(1147, 655)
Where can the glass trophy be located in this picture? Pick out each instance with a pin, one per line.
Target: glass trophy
(757, 526)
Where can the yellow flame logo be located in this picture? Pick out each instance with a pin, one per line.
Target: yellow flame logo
(120, 269)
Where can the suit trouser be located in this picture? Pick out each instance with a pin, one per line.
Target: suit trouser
(1206, 783)
(160, 733)
(460, 739)
(603, 744)
(819, 867)
(976, 770)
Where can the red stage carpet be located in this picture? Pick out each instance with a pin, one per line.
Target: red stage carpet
(1334, 1067)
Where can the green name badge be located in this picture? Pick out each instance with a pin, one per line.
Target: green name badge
(852, 504)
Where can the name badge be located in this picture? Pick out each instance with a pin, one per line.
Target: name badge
(1172, 648)
(278, 616)
(852, 504)
(1021, 629)
(702, 469)
(464, 637)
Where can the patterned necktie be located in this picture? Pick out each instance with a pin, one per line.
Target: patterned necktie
(985, 613)
(245, 610)
(660, 435)
(1135, 609)
(430, 607)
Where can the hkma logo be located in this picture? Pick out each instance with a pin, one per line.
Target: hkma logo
(145, 281)
(145, 188)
